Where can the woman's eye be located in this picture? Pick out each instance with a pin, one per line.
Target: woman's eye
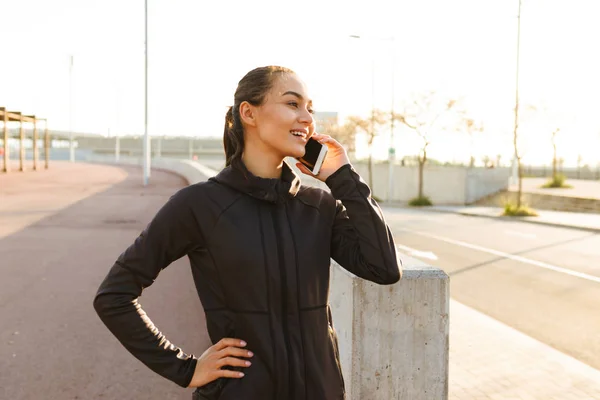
(310, 110)
(293, 104)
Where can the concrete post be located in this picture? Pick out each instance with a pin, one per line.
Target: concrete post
(390, 191)
(46, 145)
(35, 146)
(22, 145)
(393, 340)
(117, 148)
(6, 166)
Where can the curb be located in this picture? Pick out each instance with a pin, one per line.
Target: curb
(519, 219)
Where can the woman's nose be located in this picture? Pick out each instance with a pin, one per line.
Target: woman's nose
(306, 117)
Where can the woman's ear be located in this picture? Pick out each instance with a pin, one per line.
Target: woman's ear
(248, 113)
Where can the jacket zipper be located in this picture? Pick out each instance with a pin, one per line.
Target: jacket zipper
(284, 300)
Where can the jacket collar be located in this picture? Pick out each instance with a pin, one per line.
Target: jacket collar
(268, 189)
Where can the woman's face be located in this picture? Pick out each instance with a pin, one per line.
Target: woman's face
(284, 121)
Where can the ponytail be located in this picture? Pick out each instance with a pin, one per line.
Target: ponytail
(233, 138)
(253, 88)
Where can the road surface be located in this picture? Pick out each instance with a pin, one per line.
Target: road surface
(543, 281)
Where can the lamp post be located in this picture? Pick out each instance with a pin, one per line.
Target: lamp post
(515, 162)
(146, 143)
(392, 148)
(71, 144)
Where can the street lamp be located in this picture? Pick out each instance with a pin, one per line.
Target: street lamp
(71, 143)
(515, 163)
(392, 148)
(146, 144)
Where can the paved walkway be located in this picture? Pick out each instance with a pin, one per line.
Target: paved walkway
(581, 188)
(490, 360)
(60, 231)
(587, 189)
(564, 219)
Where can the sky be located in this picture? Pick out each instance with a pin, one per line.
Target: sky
(198, 51)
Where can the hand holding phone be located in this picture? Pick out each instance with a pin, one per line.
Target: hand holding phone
(314, 156)
(324, 156)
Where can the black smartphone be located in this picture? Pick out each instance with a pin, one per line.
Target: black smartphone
(314, 156)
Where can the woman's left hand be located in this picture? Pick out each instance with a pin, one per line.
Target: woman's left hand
(336, 157)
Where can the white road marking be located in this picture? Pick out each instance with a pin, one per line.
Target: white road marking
(417, 253)
(536, 263)
(521, 234)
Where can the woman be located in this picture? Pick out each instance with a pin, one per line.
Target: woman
(259, 244)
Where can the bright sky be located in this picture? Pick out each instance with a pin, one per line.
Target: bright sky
(199, 50)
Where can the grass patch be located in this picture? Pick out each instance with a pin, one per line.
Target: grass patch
(557, 181)
(511, 210)
(420, 202)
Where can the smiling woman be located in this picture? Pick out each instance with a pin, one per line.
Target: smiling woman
(261, 96)
(260, 246)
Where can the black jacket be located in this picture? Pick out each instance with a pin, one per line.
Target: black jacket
(260, 254)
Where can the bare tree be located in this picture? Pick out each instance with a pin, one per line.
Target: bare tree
(421, 116)
(472, 128)
(518, 154)
(486, 160)
(554, 155)
(553, 122)
(345, 134)
(371, 128)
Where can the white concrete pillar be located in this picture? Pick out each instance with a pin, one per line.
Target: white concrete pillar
(393, 340)
(158, 148)
(117, 148)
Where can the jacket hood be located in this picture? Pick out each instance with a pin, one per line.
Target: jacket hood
(268, 189)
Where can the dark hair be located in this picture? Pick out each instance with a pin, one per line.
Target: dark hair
(253, 88)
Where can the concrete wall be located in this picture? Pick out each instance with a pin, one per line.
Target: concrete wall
(442, 184)
(191, 171)
(481, 182)
(393, 340)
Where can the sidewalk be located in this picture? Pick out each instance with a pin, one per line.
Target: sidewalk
(490, 360)
(586, 189)
(563, 219)
(61, 230)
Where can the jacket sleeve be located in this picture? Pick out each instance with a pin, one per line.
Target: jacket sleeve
(361, 240)
(169, 236)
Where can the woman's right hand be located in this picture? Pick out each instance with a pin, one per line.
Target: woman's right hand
(224, 353)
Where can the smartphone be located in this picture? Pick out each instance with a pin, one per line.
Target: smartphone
(314, 156)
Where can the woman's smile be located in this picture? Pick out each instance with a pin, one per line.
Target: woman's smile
(301, 134)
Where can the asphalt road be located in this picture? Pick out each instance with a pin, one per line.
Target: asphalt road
(60, 232)
(543, 281)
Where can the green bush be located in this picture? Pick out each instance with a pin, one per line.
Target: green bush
(511, 210)
(557, 181)
(420, 202)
